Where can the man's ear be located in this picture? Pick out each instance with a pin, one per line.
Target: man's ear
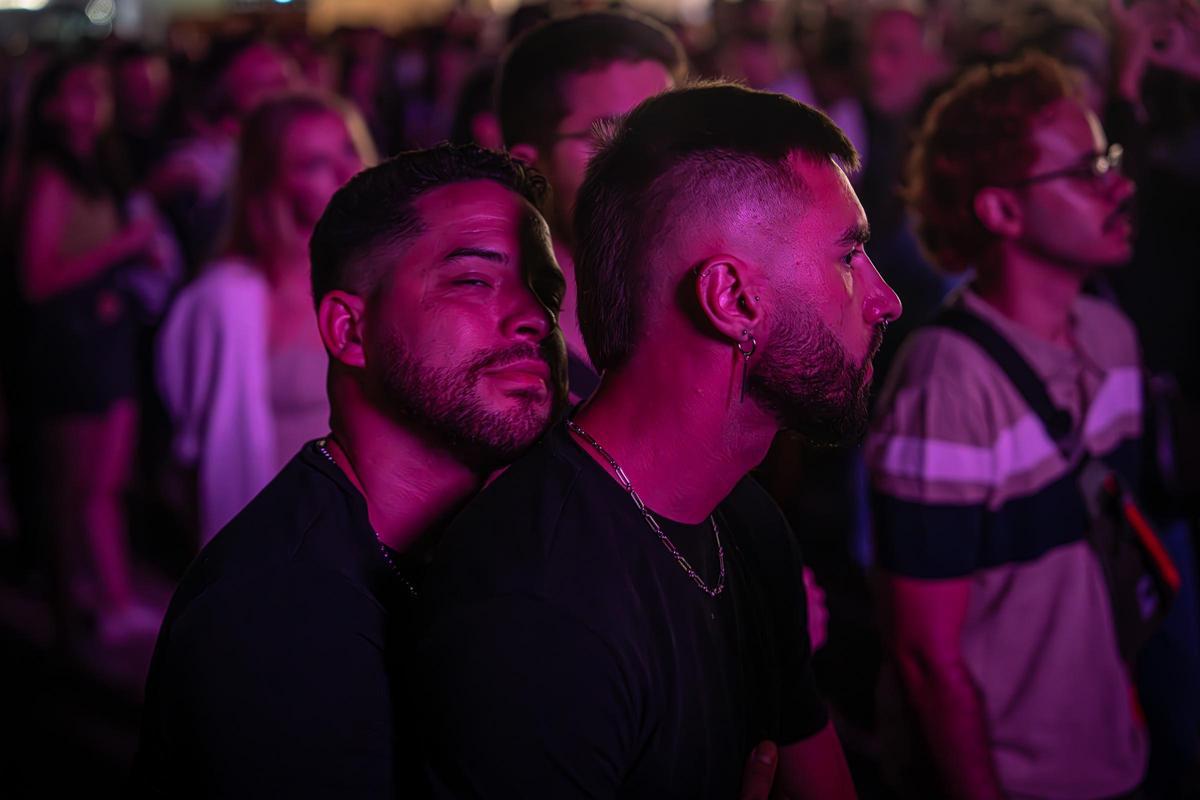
(726, 296)
(341, 320)
(527, 154)
(999, 211)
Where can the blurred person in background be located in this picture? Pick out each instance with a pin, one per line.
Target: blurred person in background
(902, 58)
(475, 120)
(240, 366)
(76, 242)
(192, 184)
(1000, 628)
(368, 66)
(557, 81)
(142, 87)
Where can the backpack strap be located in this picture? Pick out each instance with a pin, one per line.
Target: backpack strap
(1055, 420)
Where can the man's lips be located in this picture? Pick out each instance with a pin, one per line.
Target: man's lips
(526, 371)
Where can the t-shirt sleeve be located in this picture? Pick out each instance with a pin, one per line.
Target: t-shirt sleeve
(931, 455)
(281, 692)
(518, 699)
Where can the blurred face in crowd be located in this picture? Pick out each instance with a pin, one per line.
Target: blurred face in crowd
(830, 310)
(316, 157)
(82, 107)
(256, 72)
(143, 86)
(899, 65)
(464, 327)
(601, 94)
(1078, 219)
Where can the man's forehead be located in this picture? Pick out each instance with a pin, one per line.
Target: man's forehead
(613, 88)
(469, 204)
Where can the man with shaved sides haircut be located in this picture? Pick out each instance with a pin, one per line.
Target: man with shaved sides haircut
(621, 613)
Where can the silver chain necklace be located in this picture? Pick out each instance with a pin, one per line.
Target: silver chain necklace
(648, 515)
(383, 551)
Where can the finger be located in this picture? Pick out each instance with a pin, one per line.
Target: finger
(760, 772)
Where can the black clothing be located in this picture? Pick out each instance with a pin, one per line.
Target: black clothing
(82, 348)
(567, 654)
(268, 679)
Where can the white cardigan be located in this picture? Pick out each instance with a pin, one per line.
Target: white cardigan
(212, 371)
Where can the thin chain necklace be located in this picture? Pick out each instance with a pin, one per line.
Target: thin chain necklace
(648, 515)
(322, 446)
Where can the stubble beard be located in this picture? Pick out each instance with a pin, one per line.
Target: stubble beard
(448, 404)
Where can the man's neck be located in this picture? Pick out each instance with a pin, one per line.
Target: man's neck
(412, 485)
(683, 439)
(1032, 291)
(568, 316)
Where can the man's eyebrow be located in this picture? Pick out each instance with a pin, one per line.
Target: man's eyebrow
(858, 233)
(461, 253)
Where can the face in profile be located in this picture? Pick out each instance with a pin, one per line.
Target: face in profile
(463, 335)
(1079, 218)
(316, 157)
(829, 308)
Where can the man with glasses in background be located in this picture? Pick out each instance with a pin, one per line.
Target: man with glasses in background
(1002, 634)
(556, 82)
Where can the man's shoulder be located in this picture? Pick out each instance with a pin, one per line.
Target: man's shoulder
(298, 525)
(507, 531)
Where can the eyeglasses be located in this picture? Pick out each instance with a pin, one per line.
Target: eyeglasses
(1094, 168)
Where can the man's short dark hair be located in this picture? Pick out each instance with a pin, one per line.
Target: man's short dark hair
(374, 214)
(699, 149)
(529, 99)
(975, 135)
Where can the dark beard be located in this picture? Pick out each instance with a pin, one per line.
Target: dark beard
(446, 404)
(806, 378)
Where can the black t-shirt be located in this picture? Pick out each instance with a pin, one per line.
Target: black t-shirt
(567, 654)
(269, 679)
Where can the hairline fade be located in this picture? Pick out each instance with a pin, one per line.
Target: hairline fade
(726, 144)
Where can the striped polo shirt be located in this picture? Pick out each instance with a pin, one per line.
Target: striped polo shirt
(967, 483)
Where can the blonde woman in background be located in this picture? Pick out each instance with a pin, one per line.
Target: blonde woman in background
(240, 365)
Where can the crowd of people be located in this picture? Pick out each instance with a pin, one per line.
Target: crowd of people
(584, 404)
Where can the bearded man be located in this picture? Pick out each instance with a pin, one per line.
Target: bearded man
(621, 613)
(436, 293)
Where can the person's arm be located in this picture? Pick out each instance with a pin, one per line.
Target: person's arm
(518, 699)
(45, 272)
(926, 620)
(814, 769)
